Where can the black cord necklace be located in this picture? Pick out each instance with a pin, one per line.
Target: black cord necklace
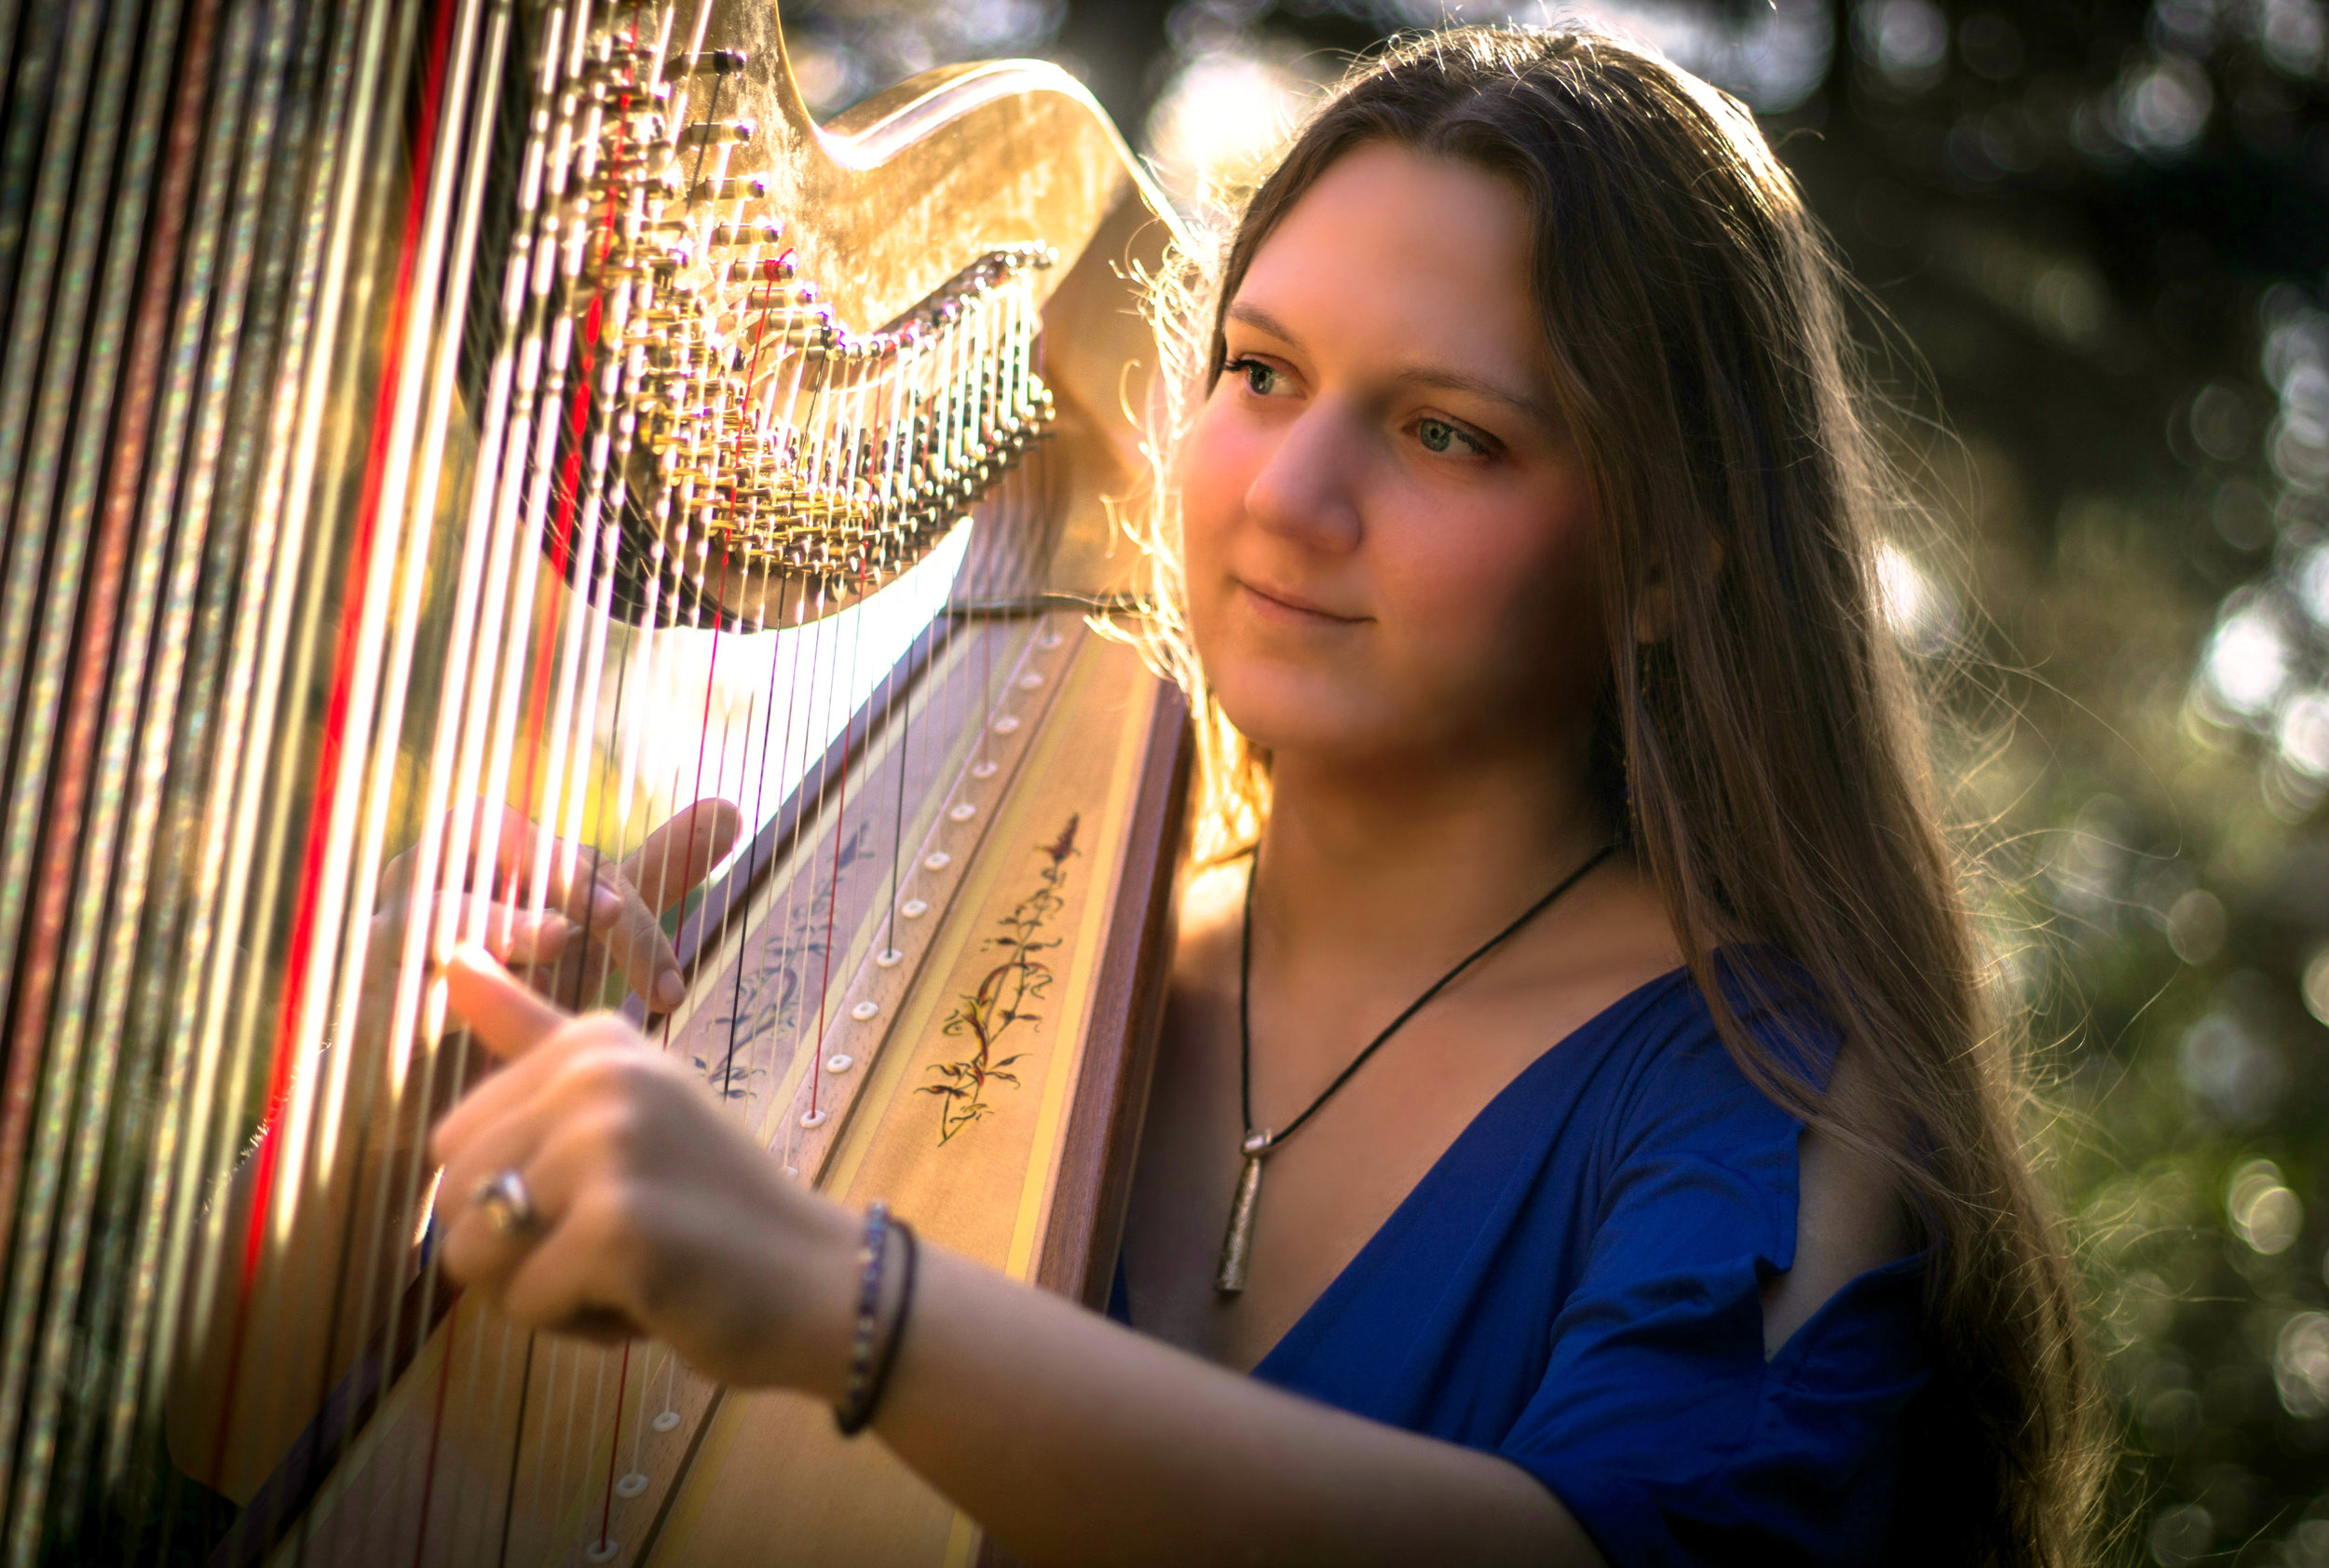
(1237, 1245)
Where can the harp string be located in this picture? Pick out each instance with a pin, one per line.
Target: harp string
(352, 869)
(75, 492)
(204, 1044)
(275, 794)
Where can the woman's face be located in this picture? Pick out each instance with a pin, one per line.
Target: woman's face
(1390, 547)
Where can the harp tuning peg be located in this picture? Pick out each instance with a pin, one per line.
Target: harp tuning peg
(716, 62)
(750, 188)
(716, 133)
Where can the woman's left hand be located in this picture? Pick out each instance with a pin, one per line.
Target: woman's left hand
(653, 1212)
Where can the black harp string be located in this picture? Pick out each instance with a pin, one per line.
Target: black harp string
(768, 767)
(815, 447)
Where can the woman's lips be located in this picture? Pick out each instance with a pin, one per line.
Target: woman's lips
(1289, 608)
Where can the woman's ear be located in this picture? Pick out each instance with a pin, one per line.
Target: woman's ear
(1654, 606)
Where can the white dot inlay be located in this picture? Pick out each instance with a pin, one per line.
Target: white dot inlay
(812, 1119)
(667, 1421)
(963, 812)
(888, 958)
(632, 1485)
(1053, 639)
(913, 909)
(601, 1551)
(864, 1010)
(982, 770)
(839, 1061)
(1029, 681)
(1006, 724)
(937, 860)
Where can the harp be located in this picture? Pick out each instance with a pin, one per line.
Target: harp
(440, 440)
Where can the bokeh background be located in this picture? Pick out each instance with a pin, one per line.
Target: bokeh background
(2096, 231)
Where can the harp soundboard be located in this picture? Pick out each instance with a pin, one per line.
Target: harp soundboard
(442, 441)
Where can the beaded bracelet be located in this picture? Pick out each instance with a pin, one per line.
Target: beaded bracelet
(856, 1406)
(881, 1378)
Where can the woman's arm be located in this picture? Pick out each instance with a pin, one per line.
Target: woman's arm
(1075, 1441)
(1072, 1439)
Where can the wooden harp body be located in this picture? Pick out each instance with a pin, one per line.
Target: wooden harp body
(441, 440)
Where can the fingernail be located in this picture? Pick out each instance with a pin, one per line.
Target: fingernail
(605, 905)
(554, 930)
(670, 989)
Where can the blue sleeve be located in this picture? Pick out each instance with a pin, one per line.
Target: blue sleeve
(1658, 1422)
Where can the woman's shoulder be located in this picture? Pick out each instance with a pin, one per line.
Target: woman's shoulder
(1662, 1053)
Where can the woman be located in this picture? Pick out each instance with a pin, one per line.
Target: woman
(1523, 559)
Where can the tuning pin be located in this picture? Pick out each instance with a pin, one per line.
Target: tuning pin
(751, 188)
(718, 63)
(716, 133)
(746, 234)
(790, 296)
(766, 269)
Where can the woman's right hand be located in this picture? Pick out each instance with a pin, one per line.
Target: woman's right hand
(652, 1211)
(597, 916)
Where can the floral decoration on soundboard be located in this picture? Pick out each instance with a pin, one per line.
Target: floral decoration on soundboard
(778, 985)
(1005, 996)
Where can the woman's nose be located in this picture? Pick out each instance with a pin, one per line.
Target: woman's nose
(1305, 492)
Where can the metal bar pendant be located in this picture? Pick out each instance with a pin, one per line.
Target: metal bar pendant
(1237, 1244)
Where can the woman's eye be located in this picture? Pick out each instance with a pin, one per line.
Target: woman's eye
(1260, 379)
(1438, 435)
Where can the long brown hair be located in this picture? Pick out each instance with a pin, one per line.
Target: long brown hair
(1771, 743)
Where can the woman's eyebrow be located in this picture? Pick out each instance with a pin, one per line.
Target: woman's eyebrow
(1261, 321)
(1458, 381)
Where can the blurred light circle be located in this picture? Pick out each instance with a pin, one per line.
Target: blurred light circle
(2164, 103)
(2243, 515)
(2220, 422)
(2292, 35)
(2316, 984)
(2274, 1220)
(2303, 733)
(2188, 25)
(1217, 123)
(2220, 1062)
(1906, 40)
(2181, 1535)
(830, 75)
(2300, 1365)
(2262, 1209)
(2195, 926)
(2299, 452)
(2247, 664)
(2297, 338)
(2313, 584)
(2068, 302)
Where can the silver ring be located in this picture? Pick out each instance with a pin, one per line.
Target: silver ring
(506, 1206)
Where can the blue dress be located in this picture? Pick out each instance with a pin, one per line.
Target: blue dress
(1575, 1285)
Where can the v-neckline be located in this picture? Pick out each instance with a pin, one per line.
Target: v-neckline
(1455, 1146)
